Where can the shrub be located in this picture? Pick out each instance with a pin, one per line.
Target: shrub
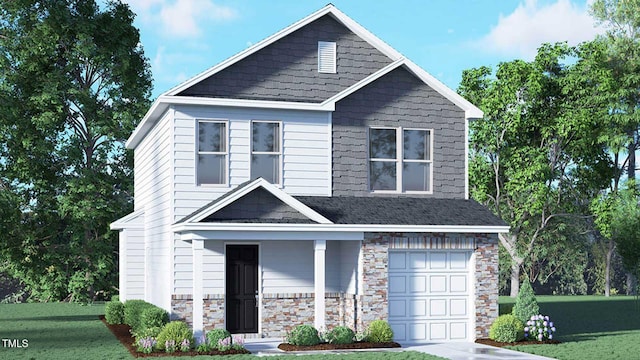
(173, 334)
(506, 328)
(153, 317)
(379, 331)
(526, 305)
(151, 332)
(303, 335)
(146, 344)
(115, 298)
(539, 328)
(114, 312)
(340, 335)
(214, 336)
(133, 313)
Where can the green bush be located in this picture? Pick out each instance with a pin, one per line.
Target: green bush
(379, 332)
(176, 331)
(152, 317)
(506, 328)
(115, 298)
(340, 335)
(133, 313)
(215, 335)
(303, 335)
(526, 304)
(150, 332)
(114, 312)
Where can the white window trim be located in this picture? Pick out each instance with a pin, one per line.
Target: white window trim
(399, 160)
(225, 153)
(279, 153)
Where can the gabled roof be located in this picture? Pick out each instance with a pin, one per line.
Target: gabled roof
(246, 188)
(133, 220)
(162, 103)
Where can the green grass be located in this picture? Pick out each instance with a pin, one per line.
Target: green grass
(590, 327)
(72, 331)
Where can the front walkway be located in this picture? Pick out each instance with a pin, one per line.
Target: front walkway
(453, 351)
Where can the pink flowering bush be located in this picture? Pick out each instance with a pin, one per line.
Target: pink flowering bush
(540, 328)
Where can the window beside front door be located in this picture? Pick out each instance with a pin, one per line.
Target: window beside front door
(400, 160)
(212, 152)
(265, 151)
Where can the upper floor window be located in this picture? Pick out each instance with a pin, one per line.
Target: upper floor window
(212, 152)
(265, 150)
(400, 160)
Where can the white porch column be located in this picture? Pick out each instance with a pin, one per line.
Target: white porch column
(320, 247)
(198, 303)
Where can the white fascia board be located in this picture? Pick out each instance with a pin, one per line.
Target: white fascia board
(243, 54)
(260, 182)
(135, 220)
(228, 235)
(271, 227)
(362, 83)
(147, 123)
(471, 111)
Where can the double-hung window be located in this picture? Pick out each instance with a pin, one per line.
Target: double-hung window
(212, 152)
(265, 150)
(400, 160)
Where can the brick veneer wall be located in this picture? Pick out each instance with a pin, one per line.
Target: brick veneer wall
(486, 283)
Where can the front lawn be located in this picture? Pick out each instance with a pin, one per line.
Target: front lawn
(72, 331)
(590, 327)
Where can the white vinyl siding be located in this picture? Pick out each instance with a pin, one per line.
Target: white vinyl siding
(153, 184)
(326, 57)
(213, 267)
(287, 266)
(132, 268)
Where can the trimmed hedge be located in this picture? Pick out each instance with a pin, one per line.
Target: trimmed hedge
(133, 313)
(380, 332)
(177, 331)
(303, 335)
(153, 317)
(506, 328)
(114, 312)
(340, 335)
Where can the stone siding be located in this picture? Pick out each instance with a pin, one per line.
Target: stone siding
(182, 308)
(486, 283)
(281, 312)
(373, 300)
(213, 312)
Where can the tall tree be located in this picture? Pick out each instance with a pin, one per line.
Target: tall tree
(74, 81)
(621, 19)
(534, 155)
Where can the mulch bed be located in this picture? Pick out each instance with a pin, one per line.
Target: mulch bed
(325, 346)
(523, 342)
(123, 334)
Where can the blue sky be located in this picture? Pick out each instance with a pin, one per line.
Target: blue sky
(182, 38)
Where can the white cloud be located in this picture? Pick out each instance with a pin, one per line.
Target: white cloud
(528, 26)
(181, 18)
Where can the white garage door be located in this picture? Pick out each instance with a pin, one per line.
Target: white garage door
(429, 295)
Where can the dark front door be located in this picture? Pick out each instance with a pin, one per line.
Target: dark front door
(242, 289)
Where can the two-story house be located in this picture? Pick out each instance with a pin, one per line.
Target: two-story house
(317, 177)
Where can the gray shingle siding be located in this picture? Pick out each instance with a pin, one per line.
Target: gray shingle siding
(287, 70)
(397, 99)
(258, 206)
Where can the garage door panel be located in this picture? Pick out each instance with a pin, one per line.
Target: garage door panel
(438, 331)
(399, 330)
(418, 331)
(418, 261)
(458, 283)
(458, 261)
(458, 307)
(418, 284)
(438, 260)
(397, 260)
(458, 331)
(397, 284)
(437, 283)
(418, 307)
(437, 307)
(398, 308)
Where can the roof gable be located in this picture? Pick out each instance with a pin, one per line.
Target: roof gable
(256, 201)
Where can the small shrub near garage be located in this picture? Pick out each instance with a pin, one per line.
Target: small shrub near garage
(340, 335)
(214, 336)
(303, 335)
(506, 328)
(133, 313)
(114, 312)
(526, 304)
(379, 331)
(174, 336)
(153, 317)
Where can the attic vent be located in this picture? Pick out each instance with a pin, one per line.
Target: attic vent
(326, 57)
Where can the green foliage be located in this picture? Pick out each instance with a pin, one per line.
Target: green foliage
(506, 328)
(115, 298)
(379, 332)
(74, 83)
(153, 317)
(215, 335)
(625, 224)
(526, 304)
(303, 335)
(175, 331)
(340, 335)
(114, 312)
(133, 313)
(150, 332)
